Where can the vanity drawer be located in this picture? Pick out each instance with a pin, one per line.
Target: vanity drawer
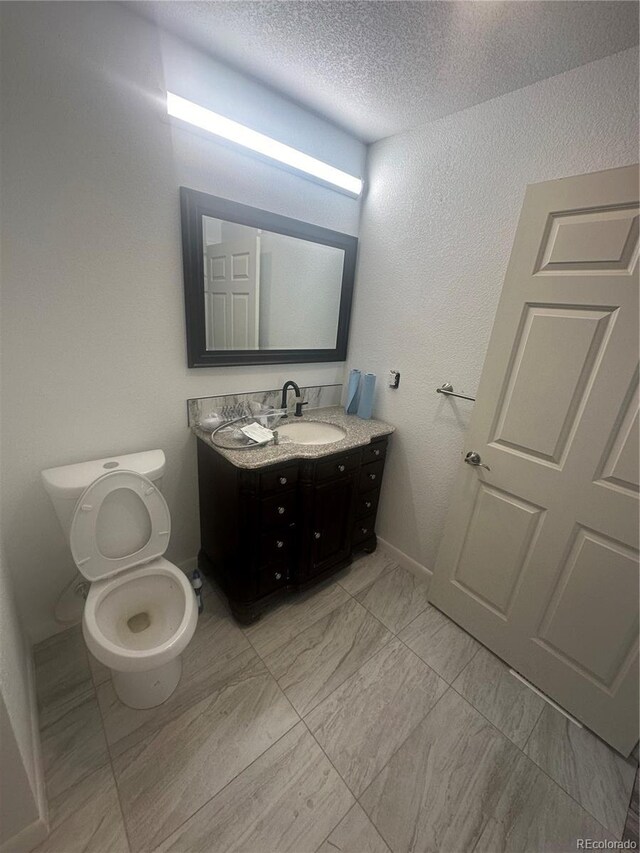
(367, 504)
(271, 578)
(278, 510)
(277, 547)
(337, 466)
(374, 452)
(363, 529)
(371, 475)
(279, 479)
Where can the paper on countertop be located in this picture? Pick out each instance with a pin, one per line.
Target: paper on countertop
(257, 433)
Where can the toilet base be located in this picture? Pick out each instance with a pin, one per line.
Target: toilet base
(150, 688)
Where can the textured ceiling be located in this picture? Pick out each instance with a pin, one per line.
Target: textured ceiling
(377, 68)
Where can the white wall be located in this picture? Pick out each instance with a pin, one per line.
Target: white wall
(437, 228)
(92, 306)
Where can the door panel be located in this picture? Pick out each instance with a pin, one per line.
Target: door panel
(232, 293)
(539, 558)
(496, 546)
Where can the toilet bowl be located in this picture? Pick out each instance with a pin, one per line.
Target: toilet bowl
(140, 612)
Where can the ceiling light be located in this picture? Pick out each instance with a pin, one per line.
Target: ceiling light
(240, 134)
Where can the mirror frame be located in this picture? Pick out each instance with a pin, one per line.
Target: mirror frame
(193, 206)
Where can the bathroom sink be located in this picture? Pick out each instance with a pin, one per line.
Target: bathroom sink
(311, 432)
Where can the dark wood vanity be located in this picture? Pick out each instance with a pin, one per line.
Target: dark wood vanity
(285, 526)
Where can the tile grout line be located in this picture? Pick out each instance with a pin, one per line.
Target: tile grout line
(528, 757)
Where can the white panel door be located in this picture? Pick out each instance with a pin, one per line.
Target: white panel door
(232, 294)
(539, 558)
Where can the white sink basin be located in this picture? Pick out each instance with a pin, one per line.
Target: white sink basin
(310, 432)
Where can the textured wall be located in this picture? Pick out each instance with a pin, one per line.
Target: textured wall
(93, 318)
(437, 228)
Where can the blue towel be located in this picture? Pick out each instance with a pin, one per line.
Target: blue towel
(365, 406)
(351, 406)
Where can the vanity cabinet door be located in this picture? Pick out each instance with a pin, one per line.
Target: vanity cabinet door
(330, 528)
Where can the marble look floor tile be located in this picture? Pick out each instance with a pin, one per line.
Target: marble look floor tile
(73, 746)
(279, 626)
(99, 672)
(509, 704)
(62, 672)
(319, 659)
(365, 720)
(216, 643)
(365, 570)
(354, 834)
(440, 643)
(396, 598)
(285, 802)
(595, 775)
(86, 818)
(535, 815)
(168, 776)
(444, 782)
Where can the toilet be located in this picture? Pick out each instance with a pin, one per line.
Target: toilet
(140, 612)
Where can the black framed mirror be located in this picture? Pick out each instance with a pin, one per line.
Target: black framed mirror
(261, 288)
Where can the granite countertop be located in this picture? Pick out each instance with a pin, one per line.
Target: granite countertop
(359, 433)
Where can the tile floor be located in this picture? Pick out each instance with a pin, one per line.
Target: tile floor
(355, 718)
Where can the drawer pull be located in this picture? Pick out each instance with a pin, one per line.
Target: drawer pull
(372, 476)
(282, 481)
(317, 534)
(376, 452)
(278, 576)
(281, 510)
(367, 504)
(340, 468)
(279, 543)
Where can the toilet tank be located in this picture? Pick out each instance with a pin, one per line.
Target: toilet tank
(65, 484)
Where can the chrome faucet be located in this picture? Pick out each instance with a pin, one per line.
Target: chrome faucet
(299, 404)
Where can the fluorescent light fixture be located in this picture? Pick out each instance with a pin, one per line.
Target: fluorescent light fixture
(235, 132)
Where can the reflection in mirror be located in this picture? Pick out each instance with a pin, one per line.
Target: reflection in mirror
(268, 291)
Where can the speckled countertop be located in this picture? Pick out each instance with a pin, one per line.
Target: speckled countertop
(359, 433)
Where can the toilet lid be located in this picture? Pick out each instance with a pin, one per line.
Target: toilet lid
(121, 520)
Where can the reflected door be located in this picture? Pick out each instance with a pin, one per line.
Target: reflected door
(232, 294)
(539, 558)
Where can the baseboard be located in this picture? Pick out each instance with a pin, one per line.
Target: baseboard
(187, 566)
(28, 838)
(33, 834)
(404, 560)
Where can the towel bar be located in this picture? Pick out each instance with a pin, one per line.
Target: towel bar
(447, 388)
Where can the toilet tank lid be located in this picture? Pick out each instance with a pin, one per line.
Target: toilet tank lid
(69, 481)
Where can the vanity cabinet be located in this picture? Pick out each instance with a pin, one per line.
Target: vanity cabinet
(285, 526)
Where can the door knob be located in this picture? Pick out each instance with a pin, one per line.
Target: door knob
(473, 458)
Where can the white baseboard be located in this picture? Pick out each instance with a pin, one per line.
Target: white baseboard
(28, 838)
(187, 566)
(404, 560)
(33, 834)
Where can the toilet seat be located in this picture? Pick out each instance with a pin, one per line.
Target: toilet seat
(91, 562)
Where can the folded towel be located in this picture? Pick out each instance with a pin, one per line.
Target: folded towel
(351, 406)
(365, 406)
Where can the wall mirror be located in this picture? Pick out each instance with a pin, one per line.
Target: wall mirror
(261, 288)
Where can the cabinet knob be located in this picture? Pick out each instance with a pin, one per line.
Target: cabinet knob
(317, 534)
(372, 476)
(279, 543)
(367, 504)
(364, 529)
(281, 510)
(341, 468)
(376, 452)
(283, 481)
(278, 576)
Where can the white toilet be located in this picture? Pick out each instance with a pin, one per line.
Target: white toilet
(140, 612)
